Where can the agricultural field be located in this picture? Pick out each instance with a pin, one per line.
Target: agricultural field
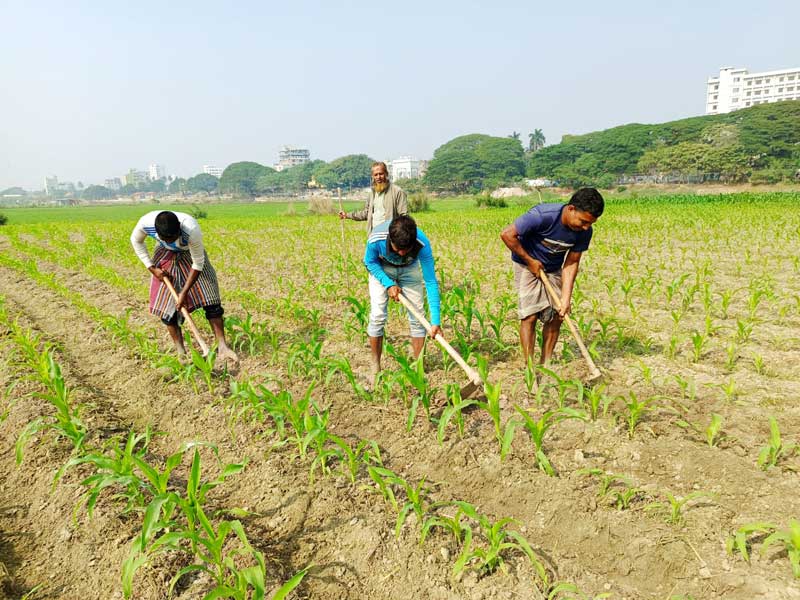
(126, 474)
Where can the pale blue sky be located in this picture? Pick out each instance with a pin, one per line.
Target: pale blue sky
(91, 89)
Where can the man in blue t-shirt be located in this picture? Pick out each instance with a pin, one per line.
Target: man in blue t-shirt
(549, 238)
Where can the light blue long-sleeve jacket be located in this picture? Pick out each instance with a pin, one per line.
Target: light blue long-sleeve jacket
(380, 253)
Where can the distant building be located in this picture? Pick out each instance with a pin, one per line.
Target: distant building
(156, 172)
(289, 157)
(539, 182)
(212, 170)
(134, 177)
(53, 187)
(50, 185)
(113, 184)
(736, 88)
(406, 167)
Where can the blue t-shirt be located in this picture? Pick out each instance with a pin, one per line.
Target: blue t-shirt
(544, 237)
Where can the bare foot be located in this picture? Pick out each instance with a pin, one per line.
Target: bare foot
(227, 354)
(183, 357)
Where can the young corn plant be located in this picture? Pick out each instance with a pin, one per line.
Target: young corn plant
(454, 411)
(744, 330)
(245, 335)
(504, 433)
(731, 353)
(173, 521)
(499, 539)
(451, 524)
(296, 414)
(114, 470)
(712, 433)
(359, 311)
(596, 401)
(564, 386)
(412, 377)
(417, 501)
(617, 489)
(740, 540)
(563, 590)
(687, 386)
(538, 428)
(351, 458)
(698, 345)
(341, 364)
(790, 540)
(66, 423)
(769, 534)
(776, 449)
(205, 366)
(759, 365)
(316, 426)
(673, 509)
(636, 410)
(385, 479)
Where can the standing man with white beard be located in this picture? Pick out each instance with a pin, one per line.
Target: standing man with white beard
(386, 200)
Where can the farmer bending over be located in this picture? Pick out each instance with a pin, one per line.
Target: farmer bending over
(549, 238)
(399, 258)
(180, 257)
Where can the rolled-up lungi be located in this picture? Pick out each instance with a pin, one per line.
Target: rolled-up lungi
(204, 292)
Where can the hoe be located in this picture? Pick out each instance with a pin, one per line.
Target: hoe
(186, 315)
(475, 383)
(594, 372)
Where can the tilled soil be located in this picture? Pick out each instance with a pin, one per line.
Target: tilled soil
(347, 531)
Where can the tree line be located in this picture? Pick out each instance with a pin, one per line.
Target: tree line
(760, 144)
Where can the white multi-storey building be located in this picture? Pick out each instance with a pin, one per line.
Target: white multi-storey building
(406, 167)
(289, 157)
(113, 183)
(212, 170)
(736, 88)
(156, 172)
(50, 185)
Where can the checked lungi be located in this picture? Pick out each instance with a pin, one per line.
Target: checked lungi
(204, 292)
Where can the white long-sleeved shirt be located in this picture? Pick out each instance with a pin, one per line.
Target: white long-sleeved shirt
(191, 239)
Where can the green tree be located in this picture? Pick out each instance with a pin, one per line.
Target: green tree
(202, 182)
(297, 178)
(158, 186)
(536, 140)
(177, 186)
(351, 171)
(471, 162)
(13, 191)
(732, 144)
(127, 190)
(96, 192)
(514, 135)
(241, 178)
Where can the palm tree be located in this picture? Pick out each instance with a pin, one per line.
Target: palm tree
(536, 140)
(515, 135)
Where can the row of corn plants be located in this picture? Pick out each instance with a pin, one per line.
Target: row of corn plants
(173, 521)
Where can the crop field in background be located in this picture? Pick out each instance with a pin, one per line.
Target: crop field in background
(127, 474)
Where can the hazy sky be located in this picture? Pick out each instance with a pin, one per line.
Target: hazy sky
(92, 89)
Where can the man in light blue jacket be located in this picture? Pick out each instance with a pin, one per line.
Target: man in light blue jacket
(399, 259)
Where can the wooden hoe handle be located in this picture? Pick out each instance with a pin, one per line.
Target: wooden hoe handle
(594, 371)
(187, 315)
(471, 373)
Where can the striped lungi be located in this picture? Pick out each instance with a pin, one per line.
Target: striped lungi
(204, 292)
